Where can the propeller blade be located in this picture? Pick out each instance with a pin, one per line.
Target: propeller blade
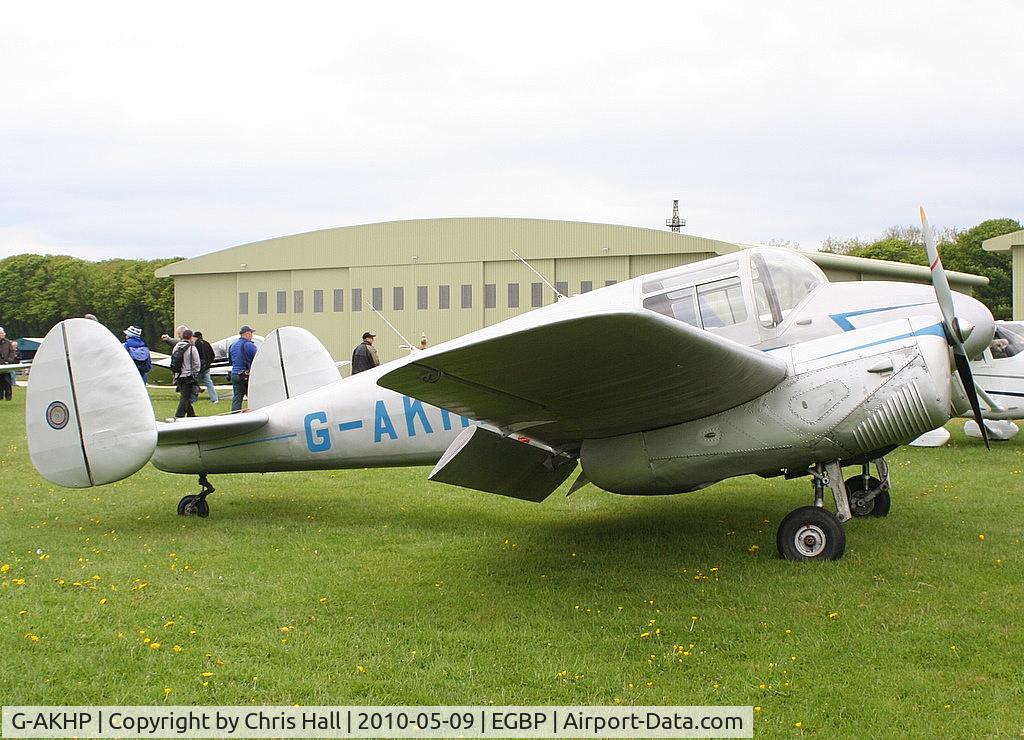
(963, 368)
(950, 323)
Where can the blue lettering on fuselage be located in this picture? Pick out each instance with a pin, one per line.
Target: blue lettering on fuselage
(319, 439)
(318, 431)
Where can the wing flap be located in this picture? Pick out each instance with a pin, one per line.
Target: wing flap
(588, 376)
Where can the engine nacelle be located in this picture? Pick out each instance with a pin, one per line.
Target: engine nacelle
(844, 396)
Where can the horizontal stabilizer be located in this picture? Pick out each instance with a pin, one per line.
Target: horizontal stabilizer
(206, 428)
(87, 412)
(290, 362)
(487, 461)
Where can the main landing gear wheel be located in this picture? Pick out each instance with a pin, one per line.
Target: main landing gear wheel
(195, 503)
(870, 501)
(811, 533)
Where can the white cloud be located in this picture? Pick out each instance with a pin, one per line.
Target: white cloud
(143, 130)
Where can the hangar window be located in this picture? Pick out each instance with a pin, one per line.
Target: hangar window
(377, 298)
(586, 286)
(444, 296)
(398, 298)
(536, 294)
(513, 295)
(282, 302)
(339, 300)
(490, 295)
(421, 297)
(467, 296)
(318, 301)
(261, 302)
(562, 287)
(299, 302)
(357, 299)
(721, 303)
(610, 282)
(243, 303)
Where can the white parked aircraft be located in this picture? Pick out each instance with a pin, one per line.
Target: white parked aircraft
(221, 365)
(746, 363)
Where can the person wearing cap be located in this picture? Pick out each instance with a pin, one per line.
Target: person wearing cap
(364, 356)
(241, 354)
(186, 380)
(138, 351)
(8, 356)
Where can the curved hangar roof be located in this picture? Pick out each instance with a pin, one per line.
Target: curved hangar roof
(450, 240)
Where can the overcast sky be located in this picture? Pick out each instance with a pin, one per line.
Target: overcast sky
(150, 130)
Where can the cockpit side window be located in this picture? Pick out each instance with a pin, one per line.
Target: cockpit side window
(721, 303)
(676, 304)
(781, 281)
(1006, 344)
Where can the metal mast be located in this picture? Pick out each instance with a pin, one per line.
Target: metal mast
(675, 223)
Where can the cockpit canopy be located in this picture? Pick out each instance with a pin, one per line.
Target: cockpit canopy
(1008, 341)
(742, 295)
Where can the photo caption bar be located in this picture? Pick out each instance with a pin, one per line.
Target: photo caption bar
(382, 722)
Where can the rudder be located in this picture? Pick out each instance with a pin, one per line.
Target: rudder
(87, 413)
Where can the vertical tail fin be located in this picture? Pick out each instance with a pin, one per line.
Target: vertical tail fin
(87, 412)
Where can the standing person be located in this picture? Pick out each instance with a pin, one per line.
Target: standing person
(138, 351)
(364, 356)
(241, 354)
(185, 358)
(8, 356)
(173, 341)
(206, 357)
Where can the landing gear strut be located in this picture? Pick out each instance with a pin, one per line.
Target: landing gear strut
(195, 503)
(869, 496)
(814, 532)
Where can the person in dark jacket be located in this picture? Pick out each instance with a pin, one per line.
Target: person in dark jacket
(206, 357)
(186, 380)
(138, 351)
(364, 356)
(241, 354)
(8, 356)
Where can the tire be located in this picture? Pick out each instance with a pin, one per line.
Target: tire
(811, 533)
(193, 505)
(878, 506)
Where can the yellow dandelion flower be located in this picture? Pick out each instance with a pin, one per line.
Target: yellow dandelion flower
(167, 690)
(981, 537)
(645, 634)
(206, 674)
(833, 615)
(360, 669)
(757, 709)
(798, 725)
(5, 568)
(177, 648)
(754, 548)
(97, 578)
(18, 581)
(168, 624)
(147, 640)
(23, 612)
(789, 632)
(104, 601)
(323, 599)
(154, 645)
(205, 683)
(285, 629)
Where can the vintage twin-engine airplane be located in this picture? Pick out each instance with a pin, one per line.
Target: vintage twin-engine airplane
(746, 363)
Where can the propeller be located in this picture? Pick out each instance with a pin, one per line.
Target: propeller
(956, 333)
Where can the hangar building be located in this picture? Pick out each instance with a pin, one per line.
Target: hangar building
(1014, 244)
(440, 278)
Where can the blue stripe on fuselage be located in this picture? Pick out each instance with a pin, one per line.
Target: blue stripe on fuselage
(843, 319)
(934, 329)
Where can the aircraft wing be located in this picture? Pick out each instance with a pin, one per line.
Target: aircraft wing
(15, 366)
(592, 375)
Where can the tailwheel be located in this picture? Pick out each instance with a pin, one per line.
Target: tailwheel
(193, 505)
(867, 498)
(811, 533)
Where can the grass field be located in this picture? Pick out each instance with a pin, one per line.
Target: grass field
(376, 587)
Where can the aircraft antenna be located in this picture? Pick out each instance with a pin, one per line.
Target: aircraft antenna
(392, 326)
(675, 223)
(558, 296)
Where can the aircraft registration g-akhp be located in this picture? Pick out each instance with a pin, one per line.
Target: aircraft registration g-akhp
(747, 363)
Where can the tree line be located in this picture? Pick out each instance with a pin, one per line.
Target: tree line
(960, 249)
(37, 291)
